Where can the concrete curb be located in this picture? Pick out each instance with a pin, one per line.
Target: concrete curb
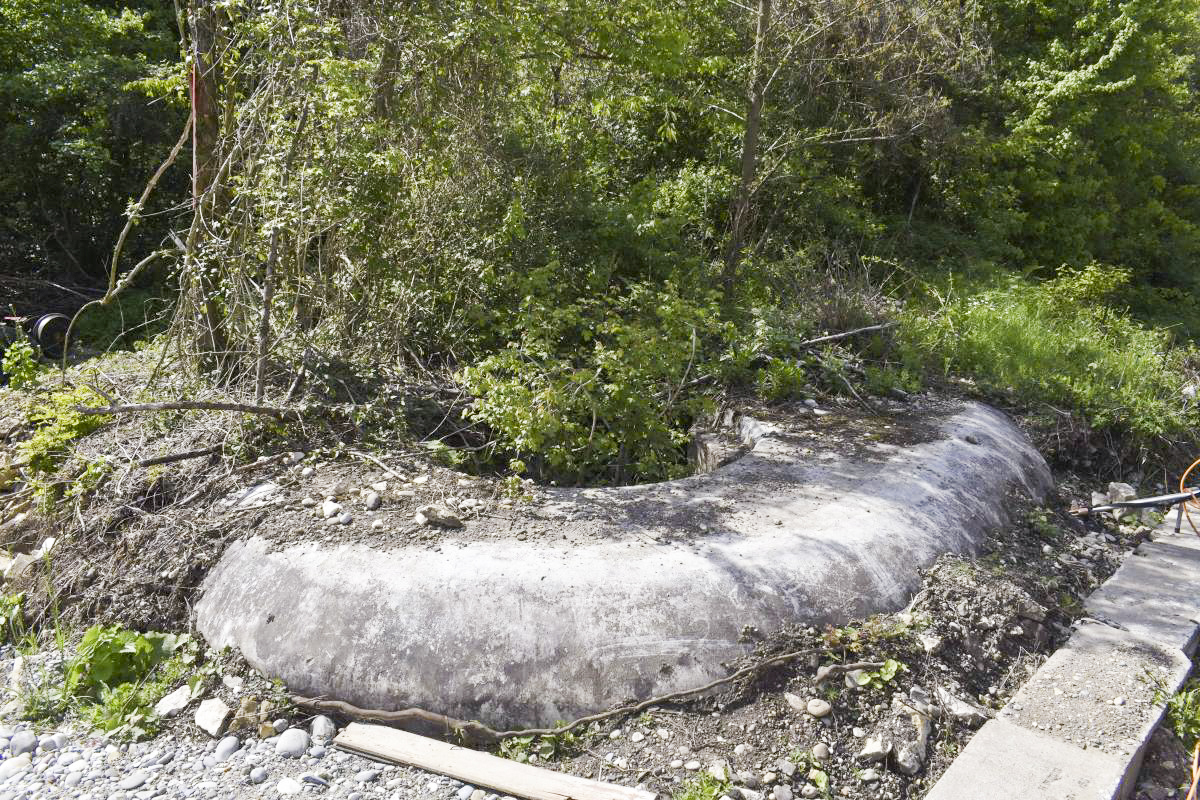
(1079, 728)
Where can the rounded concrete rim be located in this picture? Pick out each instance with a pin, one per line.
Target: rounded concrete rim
(521, 633)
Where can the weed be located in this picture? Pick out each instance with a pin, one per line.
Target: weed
(113, 679)
(704, 787)
(20, 363)
(783, 380)
(546, 747)
(1039, 522)
(57, 426)
(1183, 711)
(1059, 342)
(12, 617)
(877, 679)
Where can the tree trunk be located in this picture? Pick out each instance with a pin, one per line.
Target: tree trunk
(739, 211)
(206, 128)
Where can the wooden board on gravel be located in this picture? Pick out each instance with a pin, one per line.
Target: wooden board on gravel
(476, 768)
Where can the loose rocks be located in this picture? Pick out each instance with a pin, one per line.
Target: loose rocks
(212, 715)
(292, 743)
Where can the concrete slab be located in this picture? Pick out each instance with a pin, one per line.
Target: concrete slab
(652, 596)
(1098, 691)
(1154, 594)
(1005, 761)
(1080, 726)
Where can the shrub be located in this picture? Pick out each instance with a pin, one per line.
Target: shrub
(598, 391)
(114, 678)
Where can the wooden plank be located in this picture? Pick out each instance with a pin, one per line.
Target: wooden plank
(476, 768)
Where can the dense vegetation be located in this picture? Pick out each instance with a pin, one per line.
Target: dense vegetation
(596, 215)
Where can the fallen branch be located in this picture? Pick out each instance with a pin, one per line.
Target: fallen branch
(193, 405)
(835, 336)
(478, 733)
(170, 459)
(382, 465)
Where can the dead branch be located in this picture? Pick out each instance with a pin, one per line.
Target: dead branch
(835, 336)
(193, 405)
(480, 734)
(170, 459)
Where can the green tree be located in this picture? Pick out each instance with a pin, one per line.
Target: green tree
(89, 105)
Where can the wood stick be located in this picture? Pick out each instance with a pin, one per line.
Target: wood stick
(835, 336)
(480, 769)
(193, 405)
(204, 451)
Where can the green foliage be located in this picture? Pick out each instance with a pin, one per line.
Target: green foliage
(596, 390)
(783, 380)
(879, 678)
(20, 363)
(114, 678)
(1183, 711)
(79, 128)
(12, 618)
(704, 787)
(57, 426)
(546, 747)
(1063, 342)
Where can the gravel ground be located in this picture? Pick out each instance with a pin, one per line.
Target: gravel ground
(66, 762)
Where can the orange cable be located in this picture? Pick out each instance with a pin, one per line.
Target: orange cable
(1191, 795)
(1193, 501)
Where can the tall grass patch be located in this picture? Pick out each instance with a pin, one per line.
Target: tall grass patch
(1065, 342)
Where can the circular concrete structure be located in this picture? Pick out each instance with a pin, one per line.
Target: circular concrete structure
(516, 633)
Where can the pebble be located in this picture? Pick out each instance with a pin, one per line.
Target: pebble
(322, 728)
(345, 518)
(134, 781)
(372, 501)
(637, 736)
(367, 775)
(258, 775)
(820, 751)
(692, 766)
(23, 742)
(868, 776)
(288, 786)
(465, 792)
(227, 747)
(818, 707)
(291, 743)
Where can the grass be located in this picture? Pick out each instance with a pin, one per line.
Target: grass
(1066, 343)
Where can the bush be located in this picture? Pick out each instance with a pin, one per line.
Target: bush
(598, 391)
(1063, 343)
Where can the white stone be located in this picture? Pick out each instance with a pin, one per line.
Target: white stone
(212, 715)
(292, 743)
(322, 728)
(14, 766)
(372, 501)
(818, 707)
(330, 509)
(794, 701)
(288, 786)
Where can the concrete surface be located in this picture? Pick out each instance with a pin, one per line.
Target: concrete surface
(653, 600)
(1005, 761)
(1086, 716)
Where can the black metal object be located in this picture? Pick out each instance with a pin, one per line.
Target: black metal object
(50, 333)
